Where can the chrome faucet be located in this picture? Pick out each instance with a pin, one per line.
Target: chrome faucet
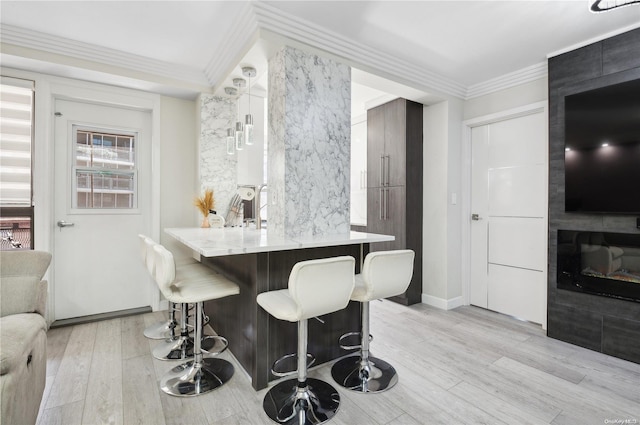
(256, 206)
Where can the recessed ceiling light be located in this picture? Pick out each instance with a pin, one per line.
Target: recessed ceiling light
(567, 149)
(604, 145)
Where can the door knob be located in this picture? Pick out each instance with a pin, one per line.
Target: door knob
(62, 223)
(475, 217)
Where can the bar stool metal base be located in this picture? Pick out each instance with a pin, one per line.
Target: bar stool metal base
(374, 376)
(287, 404)
(174, 349)
(187, 379)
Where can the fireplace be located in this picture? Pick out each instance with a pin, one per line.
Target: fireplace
(600, 263)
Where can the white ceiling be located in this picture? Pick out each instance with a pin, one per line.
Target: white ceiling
(196, 45)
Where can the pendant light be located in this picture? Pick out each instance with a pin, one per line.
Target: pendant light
(239, 82)
(231, 137)
(231, 142)
(248, 72)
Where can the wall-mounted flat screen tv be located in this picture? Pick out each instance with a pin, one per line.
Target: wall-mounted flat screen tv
(602, 150)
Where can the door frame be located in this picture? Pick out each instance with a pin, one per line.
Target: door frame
(465, 224)
(48, 90)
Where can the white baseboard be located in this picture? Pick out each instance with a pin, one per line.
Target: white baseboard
(441, 303)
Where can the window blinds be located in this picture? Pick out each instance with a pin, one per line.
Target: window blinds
(16, 121)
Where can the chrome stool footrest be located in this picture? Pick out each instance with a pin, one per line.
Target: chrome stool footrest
(162, 330)
(347, 335)
(213, 345)
(278, 364)
(180, 348)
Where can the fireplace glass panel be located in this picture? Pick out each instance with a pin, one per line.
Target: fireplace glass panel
(599, 263)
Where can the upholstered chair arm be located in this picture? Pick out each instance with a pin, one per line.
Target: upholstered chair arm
(22, 289)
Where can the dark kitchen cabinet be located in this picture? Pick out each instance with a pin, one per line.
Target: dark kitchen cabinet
(394, 182)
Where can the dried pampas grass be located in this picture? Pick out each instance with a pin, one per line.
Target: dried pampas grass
(206, 202)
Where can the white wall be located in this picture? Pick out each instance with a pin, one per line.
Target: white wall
(454, 184)
(434, 215)
(512, 97)
(178, 172)
(484, 107)
(442, 136)
(443, 257)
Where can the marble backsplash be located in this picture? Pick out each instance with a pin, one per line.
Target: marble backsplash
(218, 170)
(309, 144)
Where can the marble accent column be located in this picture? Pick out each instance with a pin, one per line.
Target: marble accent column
(309, 144)
(217, 169)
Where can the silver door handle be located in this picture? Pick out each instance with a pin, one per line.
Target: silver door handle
(386, 204)
(388, 170)
(62, 223)
(476, 217)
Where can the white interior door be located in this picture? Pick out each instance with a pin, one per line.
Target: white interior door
(102, 202)
(509, 221)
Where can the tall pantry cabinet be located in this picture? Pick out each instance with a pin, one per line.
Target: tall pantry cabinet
(394, 182)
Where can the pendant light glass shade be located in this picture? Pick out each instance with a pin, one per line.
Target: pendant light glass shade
(248, 130)
(231, 149)
(248, 72)
(239, 136)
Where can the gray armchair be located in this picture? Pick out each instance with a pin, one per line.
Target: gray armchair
(23, 334)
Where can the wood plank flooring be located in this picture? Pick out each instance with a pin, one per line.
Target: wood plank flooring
(464, 366)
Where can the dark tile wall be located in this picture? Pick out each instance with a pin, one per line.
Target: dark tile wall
(599, 323)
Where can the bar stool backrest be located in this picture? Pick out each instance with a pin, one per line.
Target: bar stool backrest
(387, 273)
(322, 286)
(165, 269)
(143, 248)
(150, 260)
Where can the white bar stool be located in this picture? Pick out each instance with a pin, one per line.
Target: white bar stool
(384, 274)
(200, 375)
(316, 287)
(180, 346)
(161, 330)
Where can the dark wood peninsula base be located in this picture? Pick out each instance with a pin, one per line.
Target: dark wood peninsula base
(257, 339)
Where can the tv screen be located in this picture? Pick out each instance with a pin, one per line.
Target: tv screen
(602, 150)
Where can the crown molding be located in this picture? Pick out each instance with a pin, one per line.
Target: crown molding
(245, 33)
(276, 21)
(521, 76)
(35, 40)
(256, 19)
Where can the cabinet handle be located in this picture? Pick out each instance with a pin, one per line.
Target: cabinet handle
(386, 204)
(381, 199)
(381, 170)
(388, 170)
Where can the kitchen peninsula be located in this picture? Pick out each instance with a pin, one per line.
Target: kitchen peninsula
(259, 261)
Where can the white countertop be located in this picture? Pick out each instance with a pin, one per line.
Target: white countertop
(241, 240)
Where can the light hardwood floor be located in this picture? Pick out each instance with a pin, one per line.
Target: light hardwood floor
(465, 366)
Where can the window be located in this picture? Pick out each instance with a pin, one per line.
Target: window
(104, 169)
(16, 146)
